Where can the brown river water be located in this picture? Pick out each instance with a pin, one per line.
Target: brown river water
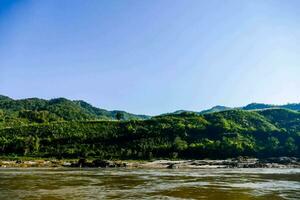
(216, 184)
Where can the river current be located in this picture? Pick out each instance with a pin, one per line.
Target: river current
(215, 184)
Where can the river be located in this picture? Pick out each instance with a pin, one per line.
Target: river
(215, 184)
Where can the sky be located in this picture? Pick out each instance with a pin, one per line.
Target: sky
(151, 57)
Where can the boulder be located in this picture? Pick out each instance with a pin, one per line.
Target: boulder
(81, 162)
(101, 163)
(173, 166)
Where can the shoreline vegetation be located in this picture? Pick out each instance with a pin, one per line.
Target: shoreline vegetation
(240, 162)
(68, 130)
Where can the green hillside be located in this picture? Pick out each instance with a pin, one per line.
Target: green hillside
(249, 107)
(215, 109)
(60, 109)
(232, 133)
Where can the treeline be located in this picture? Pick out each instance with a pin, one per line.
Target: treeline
(274, 132)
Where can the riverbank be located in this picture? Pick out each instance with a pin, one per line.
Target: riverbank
(278, 162)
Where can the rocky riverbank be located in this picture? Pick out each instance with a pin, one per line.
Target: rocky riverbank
(279, 162)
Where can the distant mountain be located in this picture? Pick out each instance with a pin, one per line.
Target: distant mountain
(182, 111)
(215, 109)
(2, 97)
(292, 106)
(211, 110)
(109, 114)
(260, 106)
(60, 109)
(252, 106)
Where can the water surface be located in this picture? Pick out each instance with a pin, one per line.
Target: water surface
(227, 184)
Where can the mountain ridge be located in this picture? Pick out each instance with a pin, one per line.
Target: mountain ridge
(63, 108)
(251, 106)
(81, 110)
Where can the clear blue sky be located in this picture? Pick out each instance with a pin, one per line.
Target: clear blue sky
(151, 56)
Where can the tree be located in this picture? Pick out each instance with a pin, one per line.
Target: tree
(1, 113)
(290, 145)
(119, 116)
(180, 144)
(273, 143)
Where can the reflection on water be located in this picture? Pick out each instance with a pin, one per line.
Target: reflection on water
(231, 184)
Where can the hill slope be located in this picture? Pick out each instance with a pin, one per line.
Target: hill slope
(252, 106)
(274, 132)
(58, 109)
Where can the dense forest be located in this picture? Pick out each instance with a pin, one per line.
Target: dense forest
(59, 109)
(62, 128)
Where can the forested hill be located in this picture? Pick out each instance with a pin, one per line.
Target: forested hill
(60, 109)
(252, 106)
(231, 133)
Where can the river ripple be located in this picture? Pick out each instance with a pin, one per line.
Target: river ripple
(227, 184)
